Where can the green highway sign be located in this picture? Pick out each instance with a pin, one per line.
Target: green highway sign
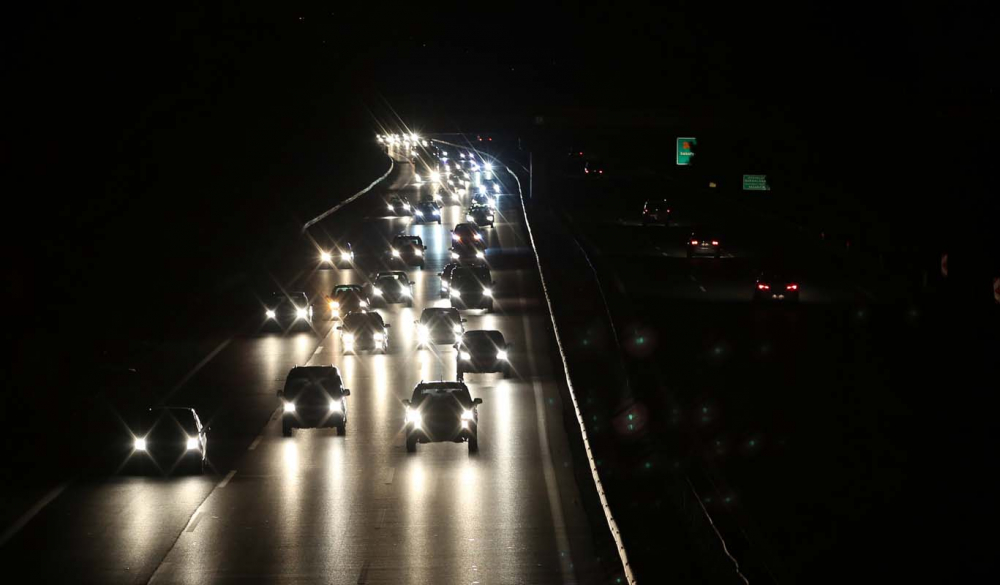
(755, 183)
(685, 150)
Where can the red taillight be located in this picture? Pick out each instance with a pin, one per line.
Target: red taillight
(792, 287)
(694, 242)
(668, 211)
(601, 171)
(715, 242)
(586, 171)
(763, 287)
(581, 154)
(491, 139)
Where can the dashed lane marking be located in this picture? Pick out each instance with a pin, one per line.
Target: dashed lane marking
(255, 443)
(194, 522)
(228, 477)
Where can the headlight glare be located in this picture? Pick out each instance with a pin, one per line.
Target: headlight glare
(289, 407)
(502, 355)
(140, 444)
(466, 356)
(192, 443)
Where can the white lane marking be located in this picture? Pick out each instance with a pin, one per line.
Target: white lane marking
(318, 349)
(228, 477)
(693, 279)
(549, 473)
(33, 511)
(255, 443)
(702, 288)
(381, 519)
(194, 521)
(389, 475)
(608, 516)
(322, 216)
(665, 254)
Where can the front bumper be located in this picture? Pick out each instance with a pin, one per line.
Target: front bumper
(313, 418)
(442, 433)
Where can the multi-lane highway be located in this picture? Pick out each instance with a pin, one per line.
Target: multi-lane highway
(318, 507)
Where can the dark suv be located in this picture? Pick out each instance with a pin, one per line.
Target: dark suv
(483, 352)
(392, 287)
(363, 330)
(442, 412)
(471, 287)
(313, 397)
(408, 250)
(287, 310)
(168, 439)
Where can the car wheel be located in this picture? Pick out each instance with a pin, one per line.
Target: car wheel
(460, 375)
(411, 444)
(409, 304)
(506, 373)
(474, 443)
(342, 428)
(286, 430)
(489, 308)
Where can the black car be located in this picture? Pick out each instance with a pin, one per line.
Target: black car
(467, 233)
(774, 286)
(446, 278)
(313, 397)
(287, 310)
(432, 198)
(471, 287)
(408, 250)
(480, 214)
(442, 412)
(341, 256)
(363, 330)
(392, 287)
(166, 440)
(484, 198)
(467, 253)
(656, 211)
(704, 244)
(346, 298)
(439, 325)
(593, 168)
(483, 352)
(398, 206)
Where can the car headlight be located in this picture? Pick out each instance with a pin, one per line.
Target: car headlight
(391, 208)
(289, 407)
(456, 238)
(395, 253)
(405, 291)
(418, 212)
(140, 444)
(465, 356)
(413, 417)
(325, 257)
(454, 255)
(502, 355)
(488, 292)
(496, 188)
(488, 166)
(455, 293)
(416, 177)
(379, 337)
(419, 252)
(348, 338)
(456, 328)
(376, 291)
(480, 255)
(301, 313)
(270, 314)
(337, 405)
(437, 213)
(192, 443)
(468, 218)
(478, 237)
(406, 206)
(435, 176)
(334, 305)
(362, 303)
(467, 415)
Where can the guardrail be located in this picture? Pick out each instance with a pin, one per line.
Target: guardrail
(328, 212)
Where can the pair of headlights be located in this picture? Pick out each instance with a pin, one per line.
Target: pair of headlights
(335, 406)
(192, 443)
(466, 356)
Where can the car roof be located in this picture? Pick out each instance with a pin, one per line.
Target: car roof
(312, 372)
(442, 387)
(465, 226)
(347, 287)
(451, 311)
(390, 274)
(480, 334)
(406, 237)
(292, 296)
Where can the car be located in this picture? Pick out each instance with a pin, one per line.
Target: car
(398, 206)
(468, 233)
(439, 325)
(439, 412)
(167, 439)
(425, 212)
(432, 198)
(408, 250)
(464, 253)
(481, 215)
(346, 298)
(484, 198)
(313, 397)
(446, 277)
(363, 330)
(392, 287)
(471, 287)
(288, 310)
(482, 352)
(656, 211)
(774, 286)
(704, 243)
(341, 256)
(593, 167)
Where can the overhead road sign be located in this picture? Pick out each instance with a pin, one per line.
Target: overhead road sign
(685, 150)
(755, 183)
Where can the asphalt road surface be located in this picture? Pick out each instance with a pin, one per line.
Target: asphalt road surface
(318, 507)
